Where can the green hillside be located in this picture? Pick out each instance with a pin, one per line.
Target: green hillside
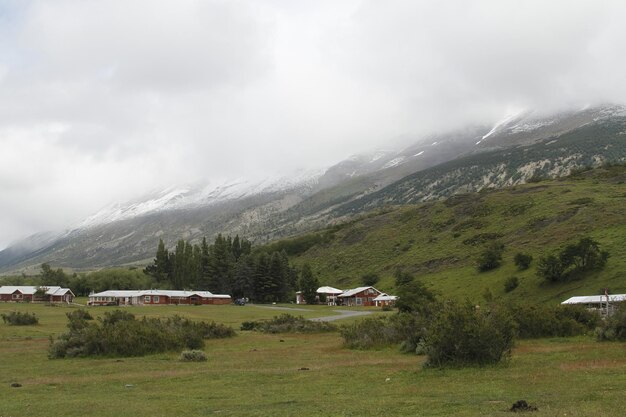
(440, 241)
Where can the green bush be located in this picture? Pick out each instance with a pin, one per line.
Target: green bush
(491, 257)
(79, 314)
(404, 329)
(17, 318)
(572, 261)
(463, 335)
(552, 321)
(286, 323)
(510, 284)
(118, 333)
(522, 261)
(614, 327)
(192, 356)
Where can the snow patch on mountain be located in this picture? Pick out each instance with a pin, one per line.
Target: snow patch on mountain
(186, 197)
(394, 162)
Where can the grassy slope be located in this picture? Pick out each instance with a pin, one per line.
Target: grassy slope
(259, 375)
(537, 218)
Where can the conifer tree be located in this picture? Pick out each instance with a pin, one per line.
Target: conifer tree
(308, 284)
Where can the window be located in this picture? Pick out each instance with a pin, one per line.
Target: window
(155, 299)
(146, 299)
(359, 301)
(16, 296)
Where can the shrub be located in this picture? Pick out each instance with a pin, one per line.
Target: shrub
(192, 356)
(550, 268)
(573, 260)
(286, 323)
(522, 261)
(404, 329)
(510, 284)
(614, 327)
(118, 333)
(552, 321)
(414, 296)
(79, 314)
(464, 335)
(17, 318)
(491, 257)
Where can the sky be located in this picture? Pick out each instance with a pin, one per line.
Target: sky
(101, 101)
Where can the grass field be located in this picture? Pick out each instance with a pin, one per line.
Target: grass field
(260, 375)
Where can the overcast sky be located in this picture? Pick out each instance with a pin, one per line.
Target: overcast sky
(104, 100)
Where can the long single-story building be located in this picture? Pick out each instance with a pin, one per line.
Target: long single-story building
(156, 297)
(52, 294)
(604, 304)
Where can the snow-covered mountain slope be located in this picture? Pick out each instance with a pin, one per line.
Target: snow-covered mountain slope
(527, 127)
(201, 195)
(268, 208)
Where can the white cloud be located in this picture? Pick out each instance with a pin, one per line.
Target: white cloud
(100, 101)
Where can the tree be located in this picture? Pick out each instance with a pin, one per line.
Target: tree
(491, 257)
(308, 285)
(50, 277)
(160, 268)
(221, 266)
(243, 277)
(551, 268)
(414, 296)
(370, 279)
(584, 255)
(574, 259)
(402, 277)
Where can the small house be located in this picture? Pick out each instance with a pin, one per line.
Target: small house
(361, 296)
(27, 293)
(385, 300)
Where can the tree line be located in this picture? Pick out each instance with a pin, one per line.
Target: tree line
(227, 266)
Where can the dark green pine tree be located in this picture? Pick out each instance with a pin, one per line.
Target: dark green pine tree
(179, 266)
(308, 284)
(236, 248)
(204, 279)
(278, 278)
(160, 267)
(243, 277)
(262, 284)
(246, 246)
(221, 266)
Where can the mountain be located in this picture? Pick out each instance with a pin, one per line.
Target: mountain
(440, 241)
(512, 151)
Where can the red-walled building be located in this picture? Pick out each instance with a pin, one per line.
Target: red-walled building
(157, 297)
(24, 293)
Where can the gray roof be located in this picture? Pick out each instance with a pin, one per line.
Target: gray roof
(354, 291)
(328, 290)
(31, 290)
(595, 299)
(165, 293)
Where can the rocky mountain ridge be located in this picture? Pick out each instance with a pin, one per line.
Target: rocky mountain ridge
(511, 151)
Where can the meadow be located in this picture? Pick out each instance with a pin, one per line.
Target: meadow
(257, 374)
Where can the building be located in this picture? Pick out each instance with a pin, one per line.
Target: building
(330, 294)
(385, 300)
(157, 297)
(604, 304)
(24, 293)
(361, 296)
